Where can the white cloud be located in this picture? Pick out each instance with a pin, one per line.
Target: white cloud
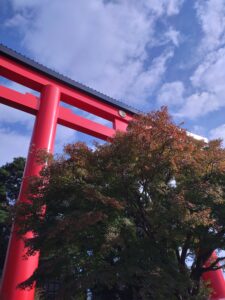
(13, 145)
(218, 133)
(211, 15)
(169, 7)
(198, 104)
(17, 20)
(9, 115)
(210, 73)
(171, 94)
(207, 80)
(173, 6)
(102, 44)
(174, 36)
(144, 83)
(64, 136)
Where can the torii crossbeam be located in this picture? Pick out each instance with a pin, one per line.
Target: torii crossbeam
(54, 89)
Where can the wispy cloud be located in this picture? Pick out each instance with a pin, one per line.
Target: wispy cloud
(17, 145)
(211, 16)
(171, 94)
(198, 104)
(101, 43)
(206, 85)
(17, 20)
(173, 36)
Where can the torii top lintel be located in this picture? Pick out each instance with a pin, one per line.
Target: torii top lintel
(31, 74)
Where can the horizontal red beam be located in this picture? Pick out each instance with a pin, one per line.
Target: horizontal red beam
(29, 103)
(36, 81)
(25, 102)
(69, 119)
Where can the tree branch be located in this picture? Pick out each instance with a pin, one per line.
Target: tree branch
(214, 266)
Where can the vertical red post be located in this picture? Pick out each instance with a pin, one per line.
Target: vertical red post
(216, 281)
(17, 269)
(120, 125)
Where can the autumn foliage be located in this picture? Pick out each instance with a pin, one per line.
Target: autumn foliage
(133, 219)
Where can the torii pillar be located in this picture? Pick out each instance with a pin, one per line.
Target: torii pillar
(17, 269)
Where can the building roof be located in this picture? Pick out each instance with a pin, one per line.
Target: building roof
(5, 51)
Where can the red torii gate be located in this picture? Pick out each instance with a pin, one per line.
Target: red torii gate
(54, 88)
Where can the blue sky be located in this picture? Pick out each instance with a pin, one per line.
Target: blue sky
(147, 53)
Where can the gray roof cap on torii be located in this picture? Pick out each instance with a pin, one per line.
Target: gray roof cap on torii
(66, 80)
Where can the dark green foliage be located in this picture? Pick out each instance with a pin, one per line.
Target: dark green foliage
(10, 180)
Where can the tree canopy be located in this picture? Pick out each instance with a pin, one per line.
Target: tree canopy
(10, 180)
(133, 219)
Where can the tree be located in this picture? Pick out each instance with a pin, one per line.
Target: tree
(10, 181)
(134, 219)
